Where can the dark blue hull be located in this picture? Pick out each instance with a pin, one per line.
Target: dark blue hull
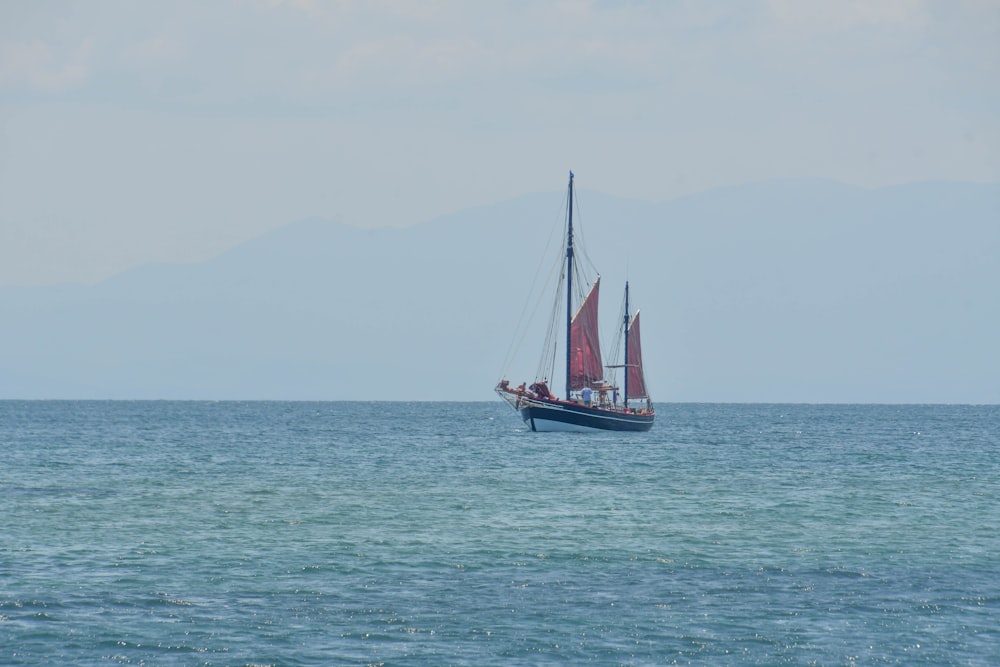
(545, 415)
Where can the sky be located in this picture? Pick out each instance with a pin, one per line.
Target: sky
(139, 132)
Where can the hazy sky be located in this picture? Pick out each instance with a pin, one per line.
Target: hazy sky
(133, 132)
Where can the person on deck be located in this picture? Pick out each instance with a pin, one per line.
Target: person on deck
(541, 389)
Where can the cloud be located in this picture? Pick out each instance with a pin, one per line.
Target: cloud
(649, 99)
(816, 15)
(155, 50)
(37, 66)
(323, 54)
(301, 5)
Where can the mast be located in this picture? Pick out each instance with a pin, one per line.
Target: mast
(569, 283)
(625, 334)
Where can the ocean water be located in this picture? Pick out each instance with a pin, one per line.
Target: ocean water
(200, 533)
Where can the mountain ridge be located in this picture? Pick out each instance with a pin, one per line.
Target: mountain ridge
(774, 292)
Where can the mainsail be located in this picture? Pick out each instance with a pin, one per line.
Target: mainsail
(635, 380)
(585, 366)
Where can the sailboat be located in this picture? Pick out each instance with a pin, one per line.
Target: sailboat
(590, 402)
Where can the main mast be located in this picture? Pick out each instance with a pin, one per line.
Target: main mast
(625, 334)
(569, 284)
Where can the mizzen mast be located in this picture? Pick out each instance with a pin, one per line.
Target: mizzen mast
(569, 285)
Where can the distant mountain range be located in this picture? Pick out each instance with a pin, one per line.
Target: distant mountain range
(774, 292)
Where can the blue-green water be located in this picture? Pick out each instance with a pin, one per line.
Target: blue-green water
(166, 533)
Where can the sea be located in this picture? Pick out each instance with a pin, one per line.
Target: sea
(355, 533)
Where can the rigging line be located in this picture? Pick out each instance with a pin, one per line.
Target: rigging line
(549, 343)
(521, 328)
(585, 274)
(582, 283)
(551, 346)
(547, 361)
(588, 264)
(616, 347)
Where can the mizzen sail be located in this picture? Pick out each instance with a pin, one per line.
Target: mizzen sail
(585, 364)
(636, 380)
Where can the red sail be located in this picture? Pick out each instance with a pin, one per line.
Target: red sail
(586, 366)
(636, 380)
